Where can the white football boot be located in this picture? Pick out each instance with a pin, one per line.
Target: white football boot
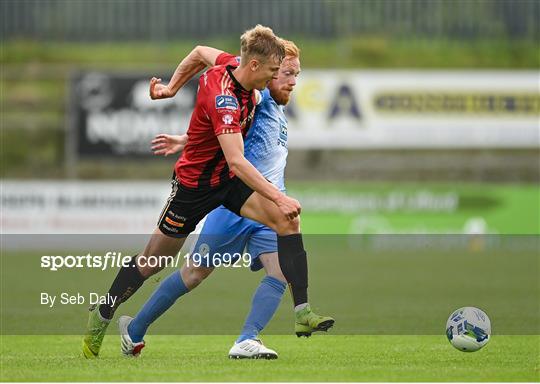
(251, 349)
(128, 347)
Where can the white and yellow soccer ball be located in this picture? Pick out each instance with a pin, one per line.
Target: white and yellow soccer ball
(468, 329)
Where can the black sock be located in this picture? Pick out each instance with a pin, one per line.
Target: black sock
(126, 283)
(293, 263)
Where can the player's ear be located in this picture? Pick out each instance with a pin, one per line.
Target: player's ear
(254, 64)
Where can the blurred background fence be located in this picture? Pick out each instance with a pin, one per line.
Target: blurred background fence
(121, 20)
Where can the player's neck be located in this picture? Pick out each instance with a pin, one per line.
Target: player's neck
(242, 76)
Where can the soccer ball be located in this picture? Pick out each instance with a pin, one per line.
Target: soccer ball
(468, 329)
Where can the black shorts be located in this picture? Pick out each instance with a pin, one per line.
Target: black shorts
(185, 206)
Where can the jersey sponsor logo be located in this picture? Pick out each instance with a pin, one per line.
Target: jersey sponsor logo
(175, 216)
(227, 119)
(226, 102)
(282, 140)
(170, 229)
(174, 223)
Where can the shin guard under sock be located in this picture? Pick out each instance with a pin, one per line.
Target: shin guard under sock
(127, 282)
(293, 263)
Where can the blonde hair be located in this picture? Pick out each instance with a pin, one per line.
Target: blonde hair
(291, 49)
(260, 41)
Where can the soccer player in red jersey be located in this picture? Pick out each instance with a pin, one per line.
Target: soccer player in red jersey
(212, 171)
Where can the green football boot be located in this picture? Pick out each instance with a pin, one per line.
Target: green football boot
(308, 322)
(95, 332)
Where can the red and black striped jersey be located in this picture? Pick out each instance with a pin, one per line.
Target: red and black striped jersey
(223, 106)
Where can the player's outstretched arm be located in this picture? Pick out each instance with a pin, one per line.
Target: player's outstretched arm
(197, 60)
(165, 145)
(232, 145)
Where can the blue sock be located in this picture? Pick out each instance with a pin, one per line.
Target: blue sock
(263, 306)
(162, 299)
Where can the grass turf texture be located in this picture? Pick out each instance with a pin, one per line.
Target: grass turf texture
(369, 292)
(320, 358)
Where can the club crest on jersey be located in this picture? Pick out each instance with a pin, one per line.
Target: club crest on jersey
(226, 102)
(227, 119)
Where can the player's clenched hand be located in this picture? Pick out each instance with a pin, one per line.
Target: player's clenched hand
(290, 207)
(158, 90)
(168, 144)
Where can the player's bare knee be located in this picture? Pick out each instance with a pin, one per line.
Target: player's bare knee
(288, 227)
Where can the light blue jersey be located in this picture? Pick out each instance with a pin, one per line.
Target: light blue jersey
(225, 233)
(266, 143)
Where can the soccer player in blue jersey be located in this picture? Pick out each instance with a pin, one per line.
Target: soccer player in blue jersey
(225, 233)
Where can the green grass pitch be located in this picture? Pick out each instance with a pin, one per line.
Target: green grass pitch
(378, 294)
(320, 358)
(374, 287)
